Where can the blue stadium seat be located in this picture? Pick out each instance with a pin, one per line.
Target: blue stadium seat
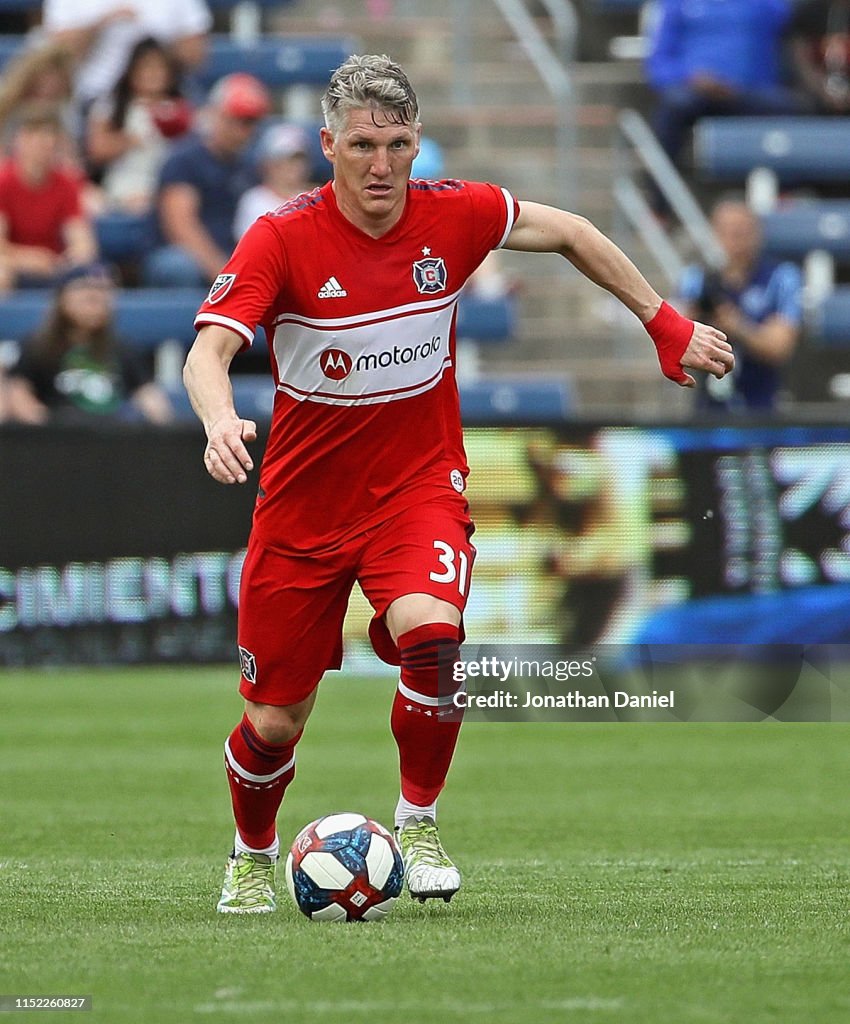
(515, 400)
(797, 149)
(122, 236)
(144, 317)
(491, 320)
(492, 401)
(829, 323)
(792, 231)
(276, 61)
(9, 46)
(253, 395)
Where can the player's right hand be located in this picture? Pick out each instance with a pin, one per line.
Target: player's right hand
(226, 457)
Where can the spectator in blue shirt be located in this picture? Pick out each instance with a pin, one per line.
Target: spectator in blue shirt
(755, 301)
(200, 185)
(715, 57)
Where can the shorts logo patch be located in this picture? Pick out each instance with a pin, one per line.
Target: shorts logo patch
(220, 287)
(335, 363)
(247, 665)
(430, 275)
(456, 478)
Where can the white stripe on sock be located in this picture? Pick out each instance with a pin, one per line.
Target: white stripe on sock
(249, 776)
(423, 698)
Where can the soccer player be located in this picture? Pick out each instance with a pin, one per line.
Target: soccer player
(356, 284)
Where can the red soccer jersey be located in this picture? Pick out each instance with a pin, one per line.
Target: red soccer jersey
(366, 418)
(36, 214)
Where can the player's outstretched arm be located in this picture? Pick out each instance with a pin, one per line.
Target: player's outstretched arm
(208, 385)
(680, 342)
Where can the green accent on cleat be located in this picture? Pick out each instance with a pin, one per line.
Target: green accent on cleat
(429, 872)
(248, 885)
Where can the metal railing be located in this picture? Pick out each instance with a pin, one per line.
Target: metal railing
(551, 65)
(636, 142)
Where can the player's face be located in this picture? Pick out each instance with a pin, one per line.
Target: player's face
(371, 168)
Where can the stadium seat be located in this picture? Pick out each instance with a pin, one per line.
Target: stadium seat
(515, 400)
(829, 321)
(144, 317)
(490, 320)
(486, 402)
(122, 236)
(792, 231)
(276, 61)
(9, 46)
(796, 149)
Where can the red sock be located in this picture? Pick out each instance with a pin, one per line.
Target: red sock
(258, 773)
(425, 727)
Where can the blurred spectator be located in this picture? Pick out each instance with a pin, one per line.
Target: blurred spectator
(755, 301)
(201, 182)
(42, 73)
(43, 229)
(716, 58)
(820, 49)
(128, 133)
(75, 369)
(102, 33)
(284, 172)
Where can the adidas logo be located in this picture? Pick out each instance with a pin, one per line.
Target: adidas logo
(332, 289)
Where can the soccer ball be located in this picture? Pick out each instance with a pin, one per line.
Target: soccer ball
(344, 867)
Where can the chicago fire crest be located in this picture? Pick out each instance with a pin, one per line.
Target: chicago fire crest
(430, 275)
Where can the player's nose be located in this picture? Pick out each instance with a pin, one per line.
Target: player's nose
(381, 163)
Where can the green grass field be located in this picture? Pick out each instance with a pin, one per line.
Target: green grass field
(639, 873)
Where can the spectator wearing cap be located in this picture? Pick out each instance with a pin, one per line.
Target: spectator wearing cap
(284, 162)
(43, 229)
(200, 185)
(75, 368)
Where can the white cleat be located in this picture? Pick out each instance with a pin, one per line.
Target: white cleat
(429, 872)
(248, 884)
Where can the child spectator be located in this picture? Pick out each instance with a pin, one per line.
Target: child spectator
(43, 229)
(75, 369)
(284, 170)
(128, 133)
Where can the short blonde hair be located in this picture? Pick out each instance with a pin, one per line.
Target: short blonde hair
(369, 81)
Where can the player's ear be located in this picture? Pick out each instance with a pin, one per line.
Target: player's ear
(328, 145)
(417, 133)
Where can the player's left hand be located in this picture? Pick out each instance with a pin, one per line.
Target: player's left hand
(226, 457)
(708, 350)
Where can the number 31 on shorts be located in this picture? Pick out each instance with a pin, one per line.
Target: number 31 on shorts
(455, 566)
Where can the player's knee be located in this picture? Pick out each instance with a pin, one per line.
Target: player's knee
(277, 725)
(414, 610)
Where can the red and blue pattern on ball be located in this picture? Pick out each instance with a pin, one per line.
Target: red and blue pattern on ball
(345, 867)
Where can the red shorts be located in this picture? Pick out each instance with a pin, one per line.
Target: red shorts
(292, 607)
